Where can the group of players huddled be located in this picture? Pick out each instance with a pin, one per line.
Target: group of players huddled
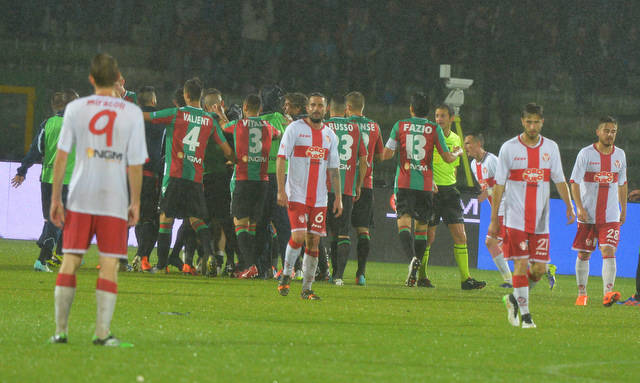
(267, 179)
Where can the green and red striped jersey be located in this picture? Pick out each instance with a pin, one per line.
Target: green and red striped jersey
(414, 139)
(350, 148)
(370, 132)
(131, 96)
(187, 134)
(252, 139)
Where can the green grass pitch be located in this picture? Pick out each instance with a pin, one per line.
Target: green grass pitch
(243, 331)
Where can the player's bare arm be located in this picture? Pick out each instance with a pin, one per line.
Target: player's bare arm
(362, 169)
(337, 190)
(453, 155)
(387, 154)
(563, 190)
(134, 173)
(494, 226)
(280, 176)
(622, 197)
(582, 214)
(229, 153)
(146, 116)
(56, 211)
(483, 196)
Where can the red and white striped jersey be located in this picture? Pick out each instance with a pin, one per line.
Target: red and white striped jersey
(108, 134)
(485, 172)
(526, 173)
(310, 153)
(599, 175)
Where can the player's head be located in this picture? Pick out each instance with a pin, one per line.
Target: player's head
(474, 145)
(444, 116)
(104, 71)
(147, 96)
(317, 107)
(295, 103)
(119, 87)
(57, 102)
(252, 105)
(193, 90)
(178, 98)
(532, 119)
(419, 106)
(354, 103)
(70, 95)
(337, 106)
(607, 130)
(271, 96)
(211, 97)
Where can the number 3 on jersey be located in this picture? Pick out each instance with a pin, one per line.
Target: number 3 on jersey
(415, 147)
(107, 129)
(345, 148)
(191, 139)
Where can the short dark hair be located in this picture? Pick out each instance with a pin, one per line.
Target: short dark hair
(446, 107)
(297, 100)
(178, 97)
(355, 99)
(59, 100)
(478, 137)
(272, 97)
(209, 92)
(145, 95)
(193, 88)
(338, 101)
(104, 70)
(316, 94)
(253, 102)
(607, 120)
(420, 104)
(532, 108)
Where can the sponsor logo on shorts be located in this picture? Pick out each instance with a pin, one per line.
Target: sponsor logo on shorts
(588, 242)
(533, 175)
(302, 218)
(523, 245)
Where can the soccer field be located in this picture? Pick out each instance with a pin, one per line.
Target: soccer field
(192, 329)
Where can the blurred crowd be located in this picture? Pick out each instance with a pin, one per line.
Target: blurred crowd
(386, 49)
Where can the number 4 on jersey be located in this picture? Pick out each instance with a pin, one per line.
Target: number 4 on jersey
(191, 139)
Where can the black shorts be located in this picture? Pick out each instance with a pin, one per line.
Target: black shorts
(418, 204)
(362, 215)
(339, 225)
(217, 195)
(149, 197)
(248, 199)
(182, 199)
(46, 189)
(446, 205)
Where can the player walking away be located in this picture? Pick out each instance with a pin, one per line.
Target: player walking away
(272, 98)
(353, 167)
(147, 228)
(252, 139)
(108, 134)
(362, 215)
(312, 151)
(483, 166)
(187, 134)
(43, 148)
(526, 165)
(415, 138)
(216, 180)
(598, 185)
(447, 206)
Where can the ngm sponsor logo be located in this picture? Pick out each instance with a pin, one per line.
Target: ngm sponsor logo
(108, 155)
